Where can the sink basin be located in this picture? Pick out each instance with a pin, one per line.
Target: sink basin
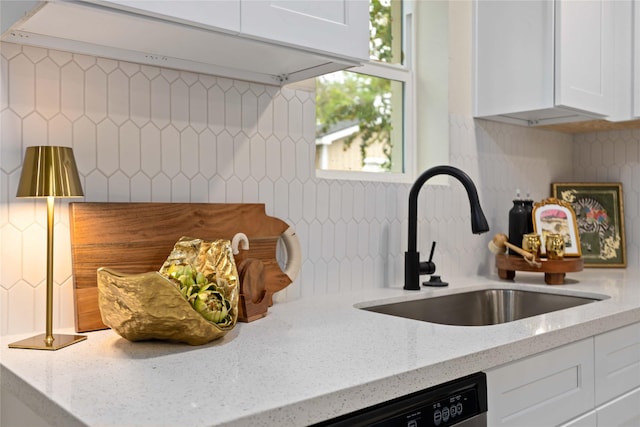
(482, 307)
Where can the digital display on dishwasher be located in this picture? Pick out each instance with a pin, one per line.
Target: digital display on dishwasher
(445, 412)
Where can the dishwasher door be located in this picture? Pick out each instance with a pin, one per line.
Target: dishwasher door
(461, 402)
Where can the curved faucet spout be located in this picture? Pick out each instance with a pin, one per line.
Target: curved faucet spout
(413, 267)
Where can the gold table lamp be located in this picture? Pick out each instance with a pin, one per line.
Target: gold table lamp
(49, 172)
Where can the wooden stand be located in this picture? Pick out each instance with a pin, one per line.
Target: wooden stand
(554, 270)
(253, 302)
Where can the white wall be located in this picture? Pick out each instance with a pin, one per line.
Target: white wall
(149, 134)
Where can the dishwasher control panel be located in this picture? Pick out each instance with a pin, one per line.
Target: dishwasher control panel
(463, 400)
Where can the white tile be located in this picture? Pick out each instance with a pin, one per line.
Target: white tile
(129, 138)
(140, 99)
(198, 107)
(60, 131)
(265, 115)
(150, 71)
(375, 239)
(322, 201)
(295, 201)
(352, 240)
(250, 190)
(295, 119)
(34, 254)
(21, 305)
(207, 154)
(34, 130)
(305, 157)
(273, 158)
(358, 201)
(315, 241)
(364, 239)
(309, 201)
(65, 302)
(35, 54)
(160, 102)
(72, 91)
(95, 94)
(335, 201)
(84, 61)
(4, 83)
(11, 252)
(170, 142)
(96, 187)
(241, 156)
(179, 104)
(180, 189)
(234, 190)
(266, 193)
(107, 65)
(140, 188)
(258, 166)
(280, 117)
(22, 94)
(10, 131)
(62, 249)
(215, 108)
(9, 50)
(281, 199)
(119, 190)
(128, 68)
(150, 150)
(84, 145)
(189, 153)
(47, 88)
(4, 311)
(328, 245)
(320, 277)
(333, 277)
(232, 111)
(224, 156)
(161, 188)
(199, 187)
(108, 158)
(249, 113)
(288, 159)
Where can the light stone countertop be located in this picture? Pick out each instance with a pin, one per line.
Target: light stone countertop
(307, 361)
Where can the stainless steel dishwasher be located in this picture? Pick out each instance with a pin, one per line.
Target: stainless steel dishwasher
(461, 402)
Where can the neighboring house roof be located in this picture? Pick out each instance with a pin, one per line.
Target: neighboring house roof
(337, 131)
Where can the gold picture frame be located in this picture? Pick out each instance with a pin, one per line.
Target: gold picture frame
(599, 212)
(554, 216)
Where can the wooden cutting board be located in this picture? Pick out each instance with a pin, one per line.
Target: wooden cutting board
(138, 237)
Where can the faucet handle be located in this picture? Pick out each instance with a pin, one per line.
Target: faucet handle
(428, 267)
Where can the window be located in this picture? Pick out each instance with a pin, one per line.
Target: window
(363, 115)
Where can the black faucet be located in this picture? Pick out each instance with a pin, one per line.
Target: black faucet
(413, 268)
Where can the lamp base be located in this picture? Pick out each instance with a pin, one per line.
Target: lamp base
(38, 342)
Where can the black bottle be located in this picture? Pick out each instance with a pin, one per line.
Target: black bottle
(517, 222)
(528, 207)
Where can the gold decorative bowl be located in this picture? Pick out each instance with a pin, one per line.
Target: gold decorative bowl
(151, 306)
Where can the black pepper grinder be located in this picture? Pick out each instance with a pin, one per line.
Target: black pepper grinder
(517, 222)
(528, 207)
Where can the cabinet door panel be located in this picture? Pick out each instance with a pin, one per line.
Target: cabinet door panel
(335, 26)
(546, 389)
(622, 412)
(589, 419)
(219, 14)
(617, 355)
(584, 55)
(636, 54)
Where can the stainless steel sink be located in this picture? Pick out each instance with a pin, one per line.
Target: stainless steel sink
(482, 307)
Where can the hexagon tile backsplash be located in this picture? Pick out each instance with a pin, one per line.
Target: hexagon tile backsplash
(143, 133)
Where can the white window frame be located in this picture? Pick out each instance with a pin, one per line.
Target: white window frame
(404, 73)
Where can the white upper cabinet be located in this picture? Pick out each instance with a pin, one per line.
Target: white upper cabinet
(328, 26)
(268, 42)
(219, 14)
(548, 61)
(636, 55)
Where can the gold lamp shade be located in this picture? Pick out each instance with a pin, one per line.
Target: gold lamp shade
(49, 171)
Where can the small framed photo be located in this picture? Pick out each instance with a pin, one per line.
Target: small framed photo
(600, 216)
(553, 216)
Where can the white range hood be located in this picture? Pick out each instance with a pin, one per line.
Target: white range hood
(112, 33)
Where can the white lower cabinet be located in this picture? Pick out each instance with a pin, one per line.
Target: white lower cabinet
(590, 419)
(591, 383)
(621, 412)
(547, 389)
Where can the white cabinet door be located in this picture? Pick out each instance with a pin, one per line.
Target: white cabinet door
(339, 27)
(218, 14)
(617, 358)
(584, 55)
(590, 419)
(636, 72)
(543, 390)
(622, 412)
